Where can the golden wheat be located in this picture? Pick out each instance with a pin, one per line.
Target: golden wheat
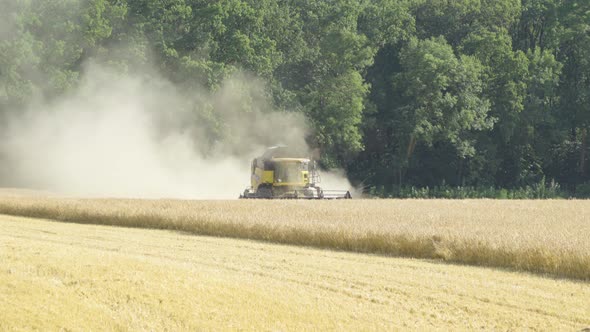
(57, 276)
(547, 237)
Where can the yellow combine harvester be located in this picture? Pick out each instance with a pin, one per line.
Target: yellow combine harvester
(282, 173)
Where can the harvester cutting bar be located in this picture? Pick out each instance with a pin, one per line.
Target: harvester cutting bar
(336, 194)
(301, 194)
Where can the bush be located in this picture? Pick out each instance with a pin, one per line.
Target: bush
(541, 190)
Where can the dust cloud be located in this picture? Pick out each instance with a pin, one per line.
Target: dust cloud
(126, 136)
(136, 134)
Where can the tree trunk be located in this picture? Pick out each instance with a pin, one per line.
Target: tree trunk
(411, 147)
(460, 173)
(409, 152)
(583, 149)
(574, 136)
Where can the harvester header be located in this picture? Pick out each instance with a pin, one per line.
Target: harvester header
(283, 173)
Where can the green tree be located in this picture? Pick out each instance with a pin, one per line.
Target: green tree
(506, 73)
(386, 22)
(575, 81)
(327, 77)
(457, 19)
(336, 109)
(537, 25)
(440, 98)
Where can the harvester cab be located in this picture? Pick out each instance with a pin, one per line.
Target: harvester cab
(282, 173)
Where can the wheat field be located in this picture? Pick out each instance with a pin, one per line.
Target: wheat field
(60, 276)
(546, 237)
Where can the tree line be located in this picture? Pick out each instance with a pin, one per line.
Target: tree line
(400, 93)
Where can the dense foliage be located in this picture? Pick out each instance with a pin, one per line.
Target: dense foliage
(401, 93)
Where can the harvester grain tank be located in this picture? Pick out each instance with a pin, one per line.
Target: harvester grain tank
(283, 173)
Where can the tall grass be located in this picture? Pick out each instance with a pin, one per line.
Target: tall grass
(546, 237)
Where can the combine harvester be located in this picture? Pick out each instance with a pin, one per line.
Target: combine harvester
(281, 173)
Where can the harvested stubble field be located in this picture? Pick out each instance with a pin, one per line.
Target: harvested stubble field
(545, 237)
(60, 276)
